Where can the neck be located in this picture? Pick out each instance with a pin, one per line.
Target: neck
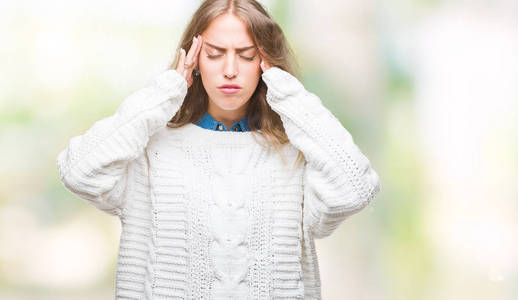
(227, 117)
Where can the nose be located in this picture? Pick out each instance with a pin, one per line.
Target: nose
(230, 68)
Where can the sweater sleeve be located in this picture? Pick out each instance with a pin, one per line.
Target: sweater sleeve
(94, 165)
(338, 179)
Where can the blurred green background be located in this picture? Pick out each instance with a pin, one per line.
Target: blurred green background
(428, 89)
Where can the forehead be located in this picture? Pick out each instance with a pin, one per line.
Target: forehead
(227, 31)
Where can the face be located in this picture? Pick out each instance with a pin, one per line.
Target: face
(228, 56)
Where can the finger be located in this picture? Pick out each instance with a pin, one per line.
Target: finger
(181, 61)
(198, 51)
(264, 64)
(198, 47)
(192, 50)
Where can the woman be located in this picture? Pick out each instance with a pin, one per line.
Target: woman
(213, 213)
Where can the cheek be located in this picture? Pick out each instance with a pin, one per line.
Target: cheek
(253, 72)
(208, 69)
(203, 64)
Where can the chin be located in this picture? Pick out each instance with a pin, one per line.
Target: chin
(230, 104)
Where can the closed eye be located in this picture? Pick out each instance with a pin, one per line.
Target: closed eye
(245, 57)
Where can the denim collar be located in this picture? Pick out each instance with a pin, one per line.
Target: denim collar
(208, 122)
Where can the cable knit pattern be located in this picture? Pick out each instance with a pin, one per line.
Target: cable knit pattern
(229, 216)
(213, 214)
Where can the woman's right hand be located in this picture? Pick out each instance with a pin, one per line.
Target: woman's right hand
(187, 63)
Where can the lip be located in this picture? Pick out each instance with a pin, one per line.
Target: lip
(229, 88)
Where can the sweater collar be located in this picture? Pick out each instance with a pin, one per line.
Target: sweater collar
(208, 122)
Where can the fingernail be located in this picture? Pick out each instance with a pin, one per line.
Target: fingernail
(194, 39)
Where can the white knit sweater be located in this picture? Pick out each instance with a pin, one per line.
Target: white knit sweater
(213, 214)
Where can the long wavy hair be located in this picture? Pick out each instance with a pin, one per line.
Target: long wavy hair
(265, 33)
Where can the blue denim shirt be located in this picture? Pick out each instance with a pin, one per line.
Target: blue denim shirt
(208, 122)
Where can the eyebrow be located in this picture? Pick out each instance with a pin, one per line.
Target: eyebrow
(223, 49)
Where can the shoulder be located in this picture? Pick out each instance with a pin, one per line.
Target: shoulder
(290, 150)
(287, 156)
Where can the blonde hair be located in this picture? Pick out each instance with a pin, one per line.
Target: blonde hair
(266, 34)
